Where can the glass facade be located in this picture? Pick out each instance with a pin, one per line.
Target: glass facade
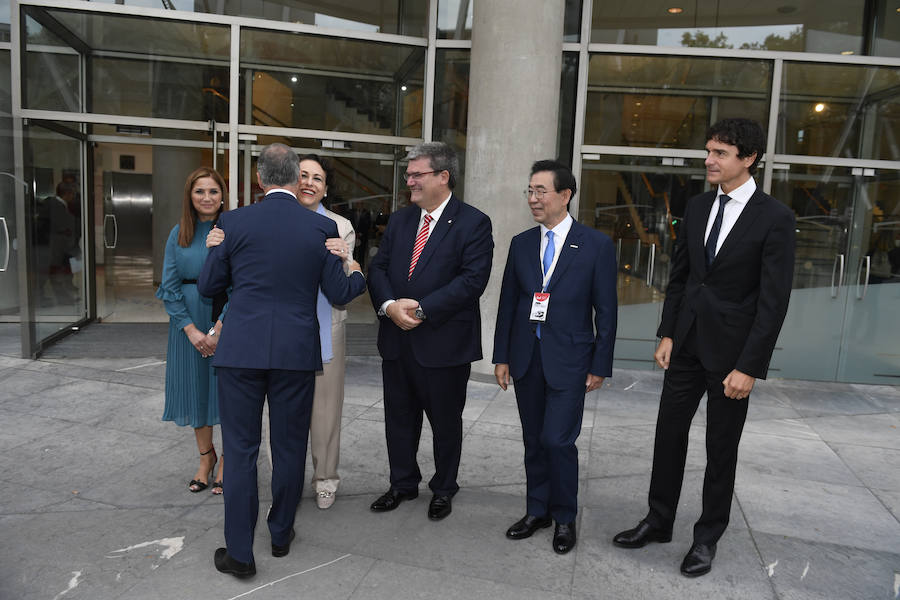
(669, 101)
(122, 100)
(826, 26)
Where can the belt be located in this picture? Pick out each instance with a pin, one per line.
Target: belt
(188, 281)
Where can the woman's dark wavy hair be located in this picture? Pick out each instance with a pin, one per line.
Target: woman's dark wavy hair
(325, 164)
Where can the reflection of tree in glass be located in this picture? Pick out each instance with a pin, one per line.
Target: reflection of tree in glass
(699, 39)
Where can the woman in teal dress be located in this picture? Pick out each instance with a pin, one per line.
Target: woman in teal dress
(191, 397)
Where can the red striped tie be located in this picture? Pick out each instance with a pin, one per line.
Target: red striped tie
(417, 247)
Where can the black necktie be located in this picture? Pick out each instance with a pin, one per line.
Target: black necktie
(713, 238)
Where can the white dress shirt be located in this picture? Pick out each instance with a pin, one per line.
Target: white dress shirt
(733, 209)
(435, 217)
(560, 232)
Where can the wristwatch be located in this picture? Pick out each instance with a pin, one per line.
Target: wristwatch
(212, 331)
(420, 314)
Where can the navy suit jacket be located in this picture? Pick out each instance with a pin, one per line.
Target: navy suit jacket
(580, 331)
(738, 304)
(450, 277)
(275, 259)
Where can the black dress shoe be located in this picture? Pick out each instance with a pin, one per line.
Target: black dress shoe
(526, 526)
(225, 564)
(439, 507)
(564, 537)
(642, 535)
(698, 560)
(279, 551)
(391, 499)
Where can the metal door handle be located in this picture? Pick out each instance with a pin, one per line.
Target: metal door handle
(652, 265)
(865, 286)
(838, 258)
(6, 255)
(637, 257)
(115, 223)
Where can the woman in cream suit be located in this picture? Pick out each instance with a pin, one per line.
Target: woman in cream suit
(316, 175)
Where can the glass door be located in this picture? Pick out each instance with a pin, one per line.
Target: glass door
(137, 198)
(841, 321)
(810, 340)
(870, 348)
(53, 161)
(9, 274)
(639, 203)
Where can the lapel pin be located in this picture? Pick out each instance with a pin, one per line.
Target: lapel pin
(573, 246)
(449, 221)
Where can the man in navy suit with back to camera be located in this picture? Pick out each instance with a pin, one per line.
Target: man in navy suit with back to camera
(556, 328)
(432, 266)
(729, 285)
(275, 259)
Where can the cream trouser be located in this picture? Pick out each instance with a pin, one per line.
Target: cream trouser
(325, 426)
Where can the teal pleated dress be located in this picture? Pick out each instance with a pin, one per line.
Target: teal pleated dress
(191, 397)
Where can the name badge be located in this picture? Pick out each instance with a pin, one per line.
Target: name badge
(539, 306)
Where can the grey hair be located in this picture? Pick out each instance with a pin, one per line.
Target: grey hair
(441, 157)
(278, 166)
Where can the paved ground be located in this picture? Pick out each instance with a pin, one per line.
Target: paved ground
(93, 499)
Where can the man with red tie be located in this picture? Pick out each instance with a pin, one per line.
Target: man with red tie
(432, 266)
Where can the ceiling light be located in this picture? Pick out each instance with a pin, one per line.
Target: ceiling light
(847, 52)
(294, 79)
(674, 10)
(402, 88)
(819, 107)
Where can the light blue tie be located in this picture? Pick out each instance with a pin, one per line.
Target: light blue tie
(549, 251)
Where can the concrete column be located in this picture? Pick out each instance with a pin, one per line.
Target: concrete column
(512, 122)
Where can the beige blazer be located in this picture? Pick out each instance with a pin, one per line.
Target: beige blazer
(345, 230)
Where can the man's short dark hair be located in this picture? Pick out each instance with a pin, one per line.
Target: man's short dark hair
(563, 179)
(440, 156)
(746, 134)
(278, 166)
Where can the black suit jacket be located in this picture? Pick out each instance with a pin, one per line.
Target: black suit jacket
(450, 277)
(738, 304)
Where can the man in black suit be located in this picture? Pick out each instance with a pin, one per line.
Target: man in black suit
(432, 266)
(275, 259)
(728, 292)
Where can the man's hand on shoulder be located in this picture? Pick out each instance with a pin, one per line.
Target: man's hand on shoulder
(215, 237)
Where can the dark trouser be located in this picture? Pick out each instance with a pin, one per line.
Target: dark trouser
(241, 396)
(551, 422)
(409, 390)
(685, 382)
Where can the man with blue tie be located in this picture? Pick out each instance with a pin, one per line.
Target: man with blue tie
(556, 328)
(432, 266)
(274, 257)
(729, 286)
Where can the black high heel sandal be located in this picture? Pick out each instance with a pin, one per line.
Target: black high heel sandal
(198, 486)
(217, 487)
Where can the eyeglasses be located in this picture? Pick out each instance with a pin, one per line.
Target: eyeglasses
(537, 193)
(417, 176)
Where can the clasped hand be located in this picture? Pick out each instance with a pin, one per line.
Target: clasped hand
(403, 313)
